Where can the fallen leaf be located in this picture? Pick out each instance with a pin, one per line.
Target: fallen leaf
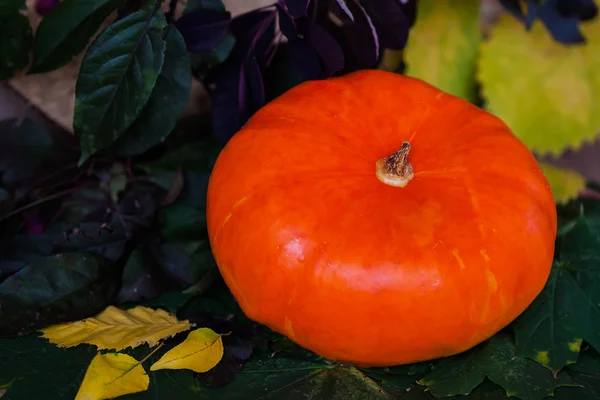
(111, 375)
(546, 92)
(443, 46)
(200, 351)
(117, 329)
(566, 185)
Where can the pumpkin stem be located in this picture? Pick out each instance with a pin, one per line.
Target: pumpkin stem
(395, 170)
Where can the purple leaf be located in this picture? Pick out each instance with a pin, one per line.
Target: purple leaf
(361, 36)
(389, 20)
(296, 8)
(304, 59)
(203, 28)
(410, 10)
(287, 25)
(326, 47)
(344, 8)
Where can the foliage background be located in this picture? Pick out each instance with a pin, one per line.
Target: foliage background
(115, 214)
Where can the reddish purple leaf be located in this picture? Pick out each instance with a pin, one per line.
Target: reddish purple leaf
(361, 36)
(345, 10)
(296, 8)
(287, 25)
(390, 21)
(326, 47)
(203, 28)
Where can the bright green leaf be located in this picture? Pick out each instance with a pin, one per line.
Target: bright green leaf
(56, 289)
(566, 185)
(66, 31)
(547, 93)
(15, 42)
(166, 103)
(443, 45)
(117, 76)
(567, 311)
(495, 359)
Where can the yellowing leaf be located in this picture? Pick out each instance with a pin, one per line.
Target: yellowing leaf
(112, 375)
(443, 45)
(117, 329)
(546, 92)
(200, 352)
(565, 184)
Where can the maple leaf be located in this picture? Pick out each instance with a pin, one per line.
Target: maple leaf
(565, 184)
(443, 46)
(199, 352)
(546, 92)
(111, 375)
(117, 329)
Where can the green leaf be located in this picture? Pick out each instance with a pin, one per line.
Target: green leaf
(204, 61)
(23, 147)
(10, 7)
(443, 46)
(67, 30)
(546, 92)
(166, 103)
(286, 378)
(566, 184)
(37, 369)
(198, 155)
(181, 221)
(567, 311)
(56, 289)
(495, 359)
(117, 76)
(586, 376)
(16, 39)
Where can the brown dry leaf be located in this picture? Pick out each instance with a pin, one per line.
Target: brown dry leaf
(117, 329)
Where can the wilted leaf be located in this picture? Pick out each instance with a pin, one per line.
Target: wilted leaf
(117, 76)
(199, 352)
(566, 184)
(443, 46)
(495, 358)
(545, 91)
(112, 375)
(567, 311)
(166, 103)
(56, 289)
(15, 41)
(66, 31)
(118, 329)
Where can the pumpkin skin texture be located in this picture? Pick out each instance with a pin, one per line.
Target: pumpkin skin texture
(315, 246)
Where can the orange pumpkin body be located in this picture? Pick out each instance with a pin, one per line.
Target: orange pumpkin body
(315, 246)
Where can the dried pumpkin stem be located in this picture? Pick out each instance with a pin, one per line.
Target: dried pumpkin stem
(395, 170)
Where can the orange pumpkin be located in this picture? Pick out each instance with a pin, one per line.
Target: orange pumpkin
(377, 220)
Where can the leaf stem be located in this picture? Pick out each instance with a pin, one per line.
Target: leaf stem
(37, 203)
(152, 352)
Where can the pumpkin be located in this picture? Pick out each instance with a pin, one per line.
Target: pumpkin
(376, 220)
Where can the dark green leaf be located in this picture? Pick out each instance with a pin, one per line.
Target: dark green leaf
(67, 30)
(266, 377)
(586, 377)
(199, 155)
(195, 4)
(171, 301)
(551, 330)
(15, 43)
(117, 76)
(141, 279)
(83, 204)
(23, 146)
(166, 103)
(56, 289)
(181, 221)
(495, 358)
(204, 61)
(10, 7)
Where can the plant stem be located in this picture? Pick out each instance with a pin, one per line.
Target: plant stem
(152, 352)
(37, 203)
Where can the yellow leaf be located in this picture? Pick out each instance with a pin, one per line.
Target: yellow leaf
(443, 45)
(111, 375)
(565, 184)
(117, 329)
(548, 93)
(200, 352)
